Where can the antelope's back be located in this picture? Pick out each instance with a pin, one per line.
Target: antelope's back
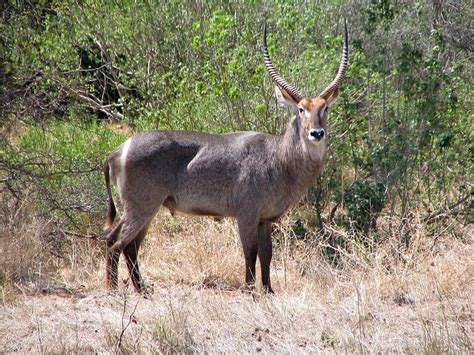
(194, 172)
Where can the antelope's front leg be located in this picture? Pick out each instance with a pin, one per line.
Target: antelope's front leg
(249, 237)
(265, 253)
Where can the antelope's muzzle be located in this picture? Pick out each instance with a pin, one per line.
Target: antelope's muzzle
(316, 134)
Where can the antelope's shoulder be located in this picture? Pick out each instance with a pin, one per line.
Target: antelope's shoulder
(248, 141)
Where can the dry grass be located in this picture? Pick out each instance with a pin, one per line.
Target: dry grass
(378, 299)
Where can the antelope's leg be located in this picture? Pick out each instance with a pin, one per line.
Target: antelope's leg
(265, 253)
(248, 235)
(131, 255)
(112, 258)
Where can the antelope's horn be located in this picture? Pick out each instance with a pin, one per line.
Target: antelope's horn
(342, 67)
(292, 91)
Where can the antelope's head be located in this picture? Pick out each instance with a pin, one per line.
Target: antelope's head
(311, 112)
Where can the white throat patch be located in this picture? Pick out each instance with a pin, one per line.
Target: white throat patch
(315, 150)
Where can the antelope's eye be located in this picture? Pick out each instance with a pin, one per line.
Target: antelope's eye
(301, 109)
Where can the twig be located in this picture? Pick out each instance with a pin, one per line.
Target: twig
(92, 236)
(446, 211)
(130, 319)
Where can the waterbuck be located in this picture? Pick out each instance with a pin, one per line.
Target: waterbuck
(254, 177)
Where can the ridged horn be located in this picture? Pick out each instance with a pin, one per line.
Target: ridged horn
(292, 91)
(342, 67)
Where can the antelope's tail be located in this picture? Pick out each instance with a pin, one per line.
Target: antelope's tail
(111, 211)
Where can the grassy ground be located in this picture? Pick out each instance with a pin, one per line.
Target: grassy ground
(393, 298)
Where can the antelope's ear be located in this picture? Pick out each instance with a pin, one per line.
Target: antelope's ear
(332, 97)
(285, 99)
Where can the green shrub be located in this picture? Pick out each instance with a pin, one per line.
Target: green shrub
(363, 201)
(62, 164)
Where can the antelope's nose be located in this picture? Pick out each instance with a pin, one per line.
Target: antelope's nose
(317, 134)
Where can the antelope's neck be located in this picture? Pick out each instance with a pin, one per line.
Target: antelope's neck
(301, 162)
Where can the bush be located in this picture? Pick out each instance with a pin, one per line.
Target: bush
(363, 201)
(62, 165)
(403, 117)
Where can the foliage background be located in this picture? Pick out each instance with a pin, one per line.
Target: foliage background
(376, 258)
(77, 77)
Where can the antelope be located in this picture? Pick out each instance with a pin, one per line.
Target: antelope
(251, 176)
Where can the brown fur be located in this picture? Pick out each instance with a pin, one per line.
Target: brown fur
(254, 177)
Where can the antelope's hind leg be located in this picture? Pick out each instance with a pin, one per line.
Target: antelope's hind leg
(131, 258)
(127, 232)
(112, 258)
(134, 226)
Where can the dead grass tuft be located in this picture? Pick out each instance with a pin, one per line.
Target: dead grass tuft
(193, 251)
(391, 295)
(38, 257)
